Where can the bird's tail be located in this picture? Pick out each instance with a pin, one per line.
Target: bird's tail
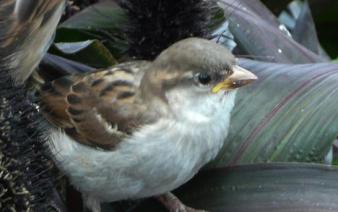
(26, 31)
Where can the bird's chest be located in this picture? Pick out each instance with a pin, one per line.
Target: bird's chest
(170, 153)
(156, 159)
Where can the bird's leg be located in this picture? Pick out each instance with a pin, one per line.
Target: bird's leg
(91, 204)
(173, 204)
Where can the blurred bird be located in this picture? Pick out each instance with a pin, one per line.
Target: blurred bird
(27, 183)
(26, 32)
(142, 129)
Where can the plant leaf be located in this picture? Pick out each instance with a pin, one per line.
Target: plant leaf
(103, 15)
(302, 26)
(102, 21)
(53, 67)
(91, 52)
(260, 187)
(258, 37)
(259, 9)
(289, 114)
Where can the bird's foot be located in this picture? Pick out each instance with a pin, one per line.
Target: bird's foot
(91, 204)
(173, 204)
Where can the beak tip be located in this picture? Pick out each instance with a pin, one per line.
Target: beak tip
(254, 77)
(243, 77)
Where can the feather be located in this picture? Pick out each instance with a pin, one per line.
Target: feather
(26, 32)
(97, 109)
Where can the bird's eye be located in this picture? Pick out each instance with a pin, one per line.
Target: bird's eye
(204, 78)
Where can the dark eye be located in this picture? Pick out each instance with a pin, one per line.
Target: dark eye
(204, 78)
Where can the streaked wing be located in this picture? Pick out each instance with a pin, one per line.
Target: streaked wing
(97, 109)
(26, 31)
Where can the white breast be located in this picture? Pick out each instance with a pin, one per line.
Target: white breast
(156, 159)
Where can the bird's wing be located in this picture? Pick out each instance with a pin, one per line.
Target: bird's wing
(26, 31)
(97, 109)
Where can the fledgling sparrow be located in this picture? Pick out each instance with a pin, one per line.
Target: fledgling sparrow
(136, 130)
(142, 129)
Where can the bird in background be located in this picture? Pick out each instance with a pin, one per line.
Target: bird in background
(139, 129)
(26, 32)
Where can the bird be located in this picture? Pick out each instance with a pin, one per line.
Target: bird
(26, 25)
(136, 130)
(143, 128)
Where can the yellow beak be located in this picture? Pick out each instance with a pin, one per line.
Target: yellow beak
(238, 78)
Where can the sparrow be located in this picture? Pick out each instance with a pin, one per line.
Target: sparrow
(143, 128)
(26, 32)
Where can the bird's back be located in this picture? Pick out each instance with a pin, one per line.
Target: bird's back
(97, 109)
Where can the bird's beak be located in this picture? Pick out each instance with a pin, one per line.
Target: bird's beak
(238, 78)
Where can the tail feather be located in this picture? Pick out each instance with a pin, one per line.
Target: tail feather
(26, 31)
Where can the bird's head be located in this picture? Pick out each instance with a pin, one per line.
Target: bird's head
(192, 73)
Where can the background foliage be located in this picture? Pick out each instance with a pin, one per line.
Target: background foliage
(325, 14)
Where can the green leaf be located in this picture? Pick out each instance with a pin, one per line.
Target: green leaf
(73, 35)
(289, 114)
(103, 15)
(217, 19)
(91, 52)
(103, 21)
(335, 162)
(261, 188)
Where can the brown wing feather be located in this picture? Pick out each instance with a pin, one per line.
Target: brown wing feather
(97, 109)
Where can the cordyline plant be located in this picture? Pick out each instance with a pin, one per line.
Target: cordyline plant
(282, 123)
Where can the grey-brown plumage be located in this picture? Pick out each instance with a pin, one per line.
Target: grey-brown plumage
(167, 116)
(103, 108)
(158, 122)
(26, 31)
(98, 109)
